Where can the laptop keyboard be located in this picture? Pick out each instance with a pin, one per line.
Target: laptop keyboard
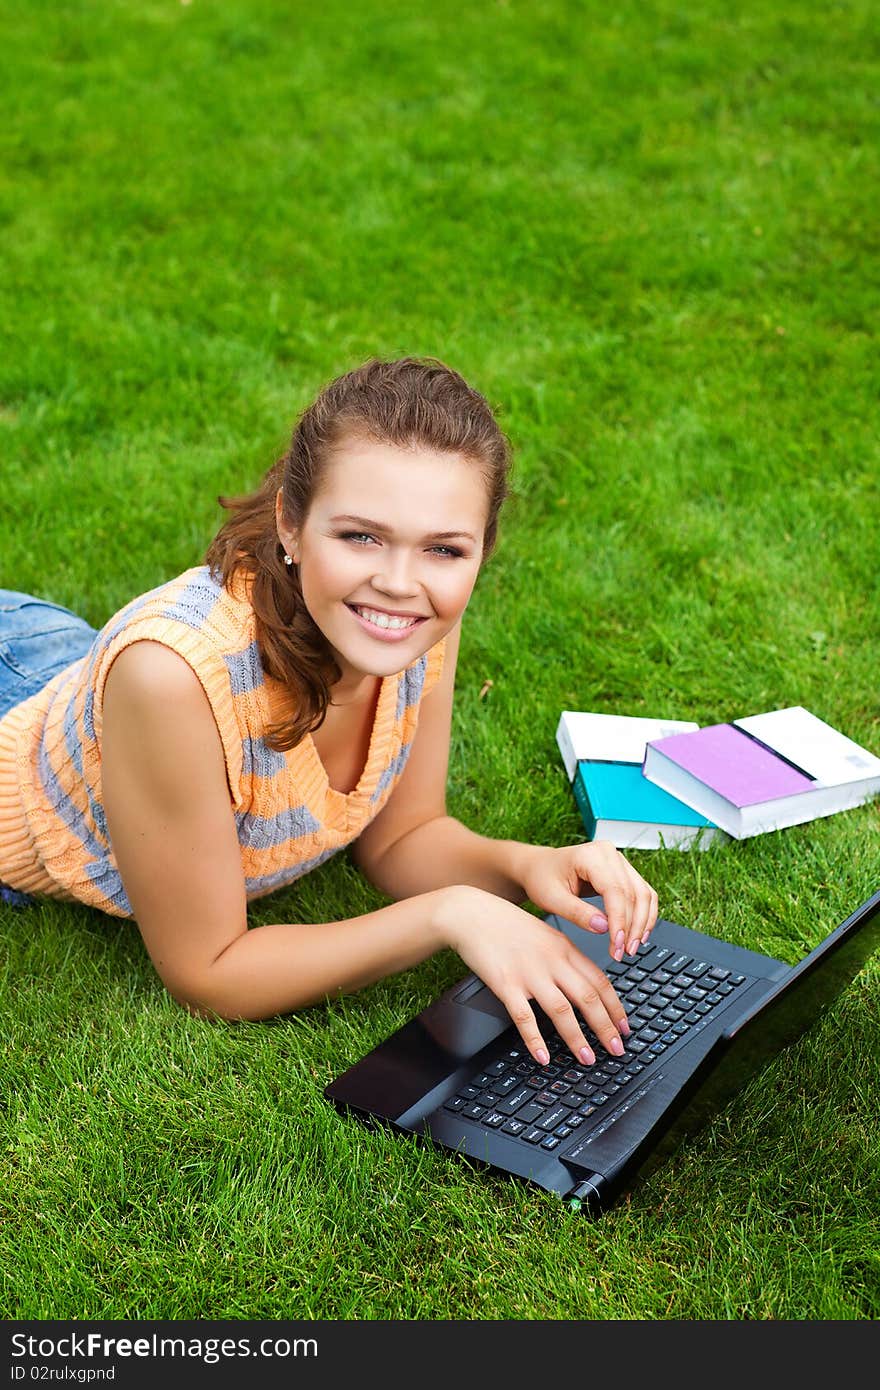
(665, 994)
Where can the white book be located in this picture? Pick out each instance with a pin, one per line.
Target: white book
(823, 753)
(764, 772)
(610, 738)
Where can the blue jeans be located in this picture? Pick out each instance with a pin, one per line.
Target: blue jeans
(37, 640)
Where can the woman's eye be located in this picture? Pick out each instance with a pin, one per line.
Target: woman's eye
(364, 538)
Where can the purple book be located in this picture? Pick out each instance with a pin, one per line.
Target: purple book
(734, 765)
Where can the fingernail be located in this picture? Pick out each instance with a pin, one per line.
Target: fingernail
(624, 1028)
(587, 1057)
(598, 922)
(616, 1046)
(633, 946)
(544, 1057)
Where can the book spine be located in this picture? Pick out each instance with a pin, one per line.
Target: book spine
(583, 804)
(566, 747)
(679, 782)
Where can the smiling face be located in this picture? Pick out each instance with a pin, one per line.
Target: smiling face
(388, 553)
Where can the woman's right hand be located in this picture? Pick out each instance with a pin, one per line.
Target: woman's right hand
(523, 959)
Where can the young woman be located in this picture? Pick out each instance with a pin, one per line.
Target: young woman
(228, 731)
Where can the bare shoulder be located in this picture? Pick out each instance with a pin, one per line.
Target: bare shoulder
(158, 726)
(146, 671)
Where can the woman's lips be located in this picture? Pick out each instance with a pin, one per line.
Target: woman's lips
(385, 634)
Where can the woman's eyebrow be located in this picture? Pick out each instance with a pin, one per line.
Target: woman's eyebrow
(385, 530)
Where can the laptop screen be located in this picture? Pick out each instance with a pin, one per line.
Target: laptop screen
(775, 1022)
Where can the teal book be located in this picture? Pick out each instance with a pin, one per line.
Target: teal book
(619, 804)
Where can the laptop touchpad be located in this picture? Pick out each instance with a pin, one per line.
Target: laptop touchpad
(476, 995)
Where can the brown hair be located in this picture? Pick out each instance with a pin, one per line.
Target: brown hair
(412, 402)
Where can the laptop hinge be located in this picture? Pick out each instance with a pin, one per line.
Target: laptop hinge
(590, 1193)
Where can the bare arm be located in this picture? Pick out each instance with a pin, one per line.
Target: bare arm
(174, 839)
(442, 851)
(414, 847)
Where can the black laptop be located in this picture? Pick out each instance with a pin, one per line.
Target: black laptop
(705, 1016)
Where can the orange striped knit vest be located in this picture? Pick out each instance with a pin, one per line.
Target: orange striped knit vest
(53, 838)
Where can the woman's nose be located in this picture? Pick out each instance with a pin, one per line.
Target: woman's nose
(396, 573)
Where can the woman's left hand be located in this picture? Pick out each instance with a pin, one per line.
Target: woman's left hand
(554, 880)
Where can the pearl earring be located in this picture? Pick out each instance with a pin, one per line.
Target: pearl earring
(288, 559)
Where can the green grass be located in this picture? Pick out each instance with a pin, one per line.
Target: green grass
(649, 235)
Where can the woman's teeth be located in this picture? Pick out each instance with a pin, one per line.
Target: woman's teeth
(383, 619)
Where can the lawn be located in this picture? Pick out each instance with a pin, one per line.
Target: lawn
(648, 234)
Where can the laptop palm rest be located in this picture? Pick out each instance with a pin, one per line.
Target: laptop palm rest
(430, 1049)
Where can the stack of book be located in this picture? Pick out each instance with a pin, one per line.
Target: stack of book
(653, 783)
(603, 756)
